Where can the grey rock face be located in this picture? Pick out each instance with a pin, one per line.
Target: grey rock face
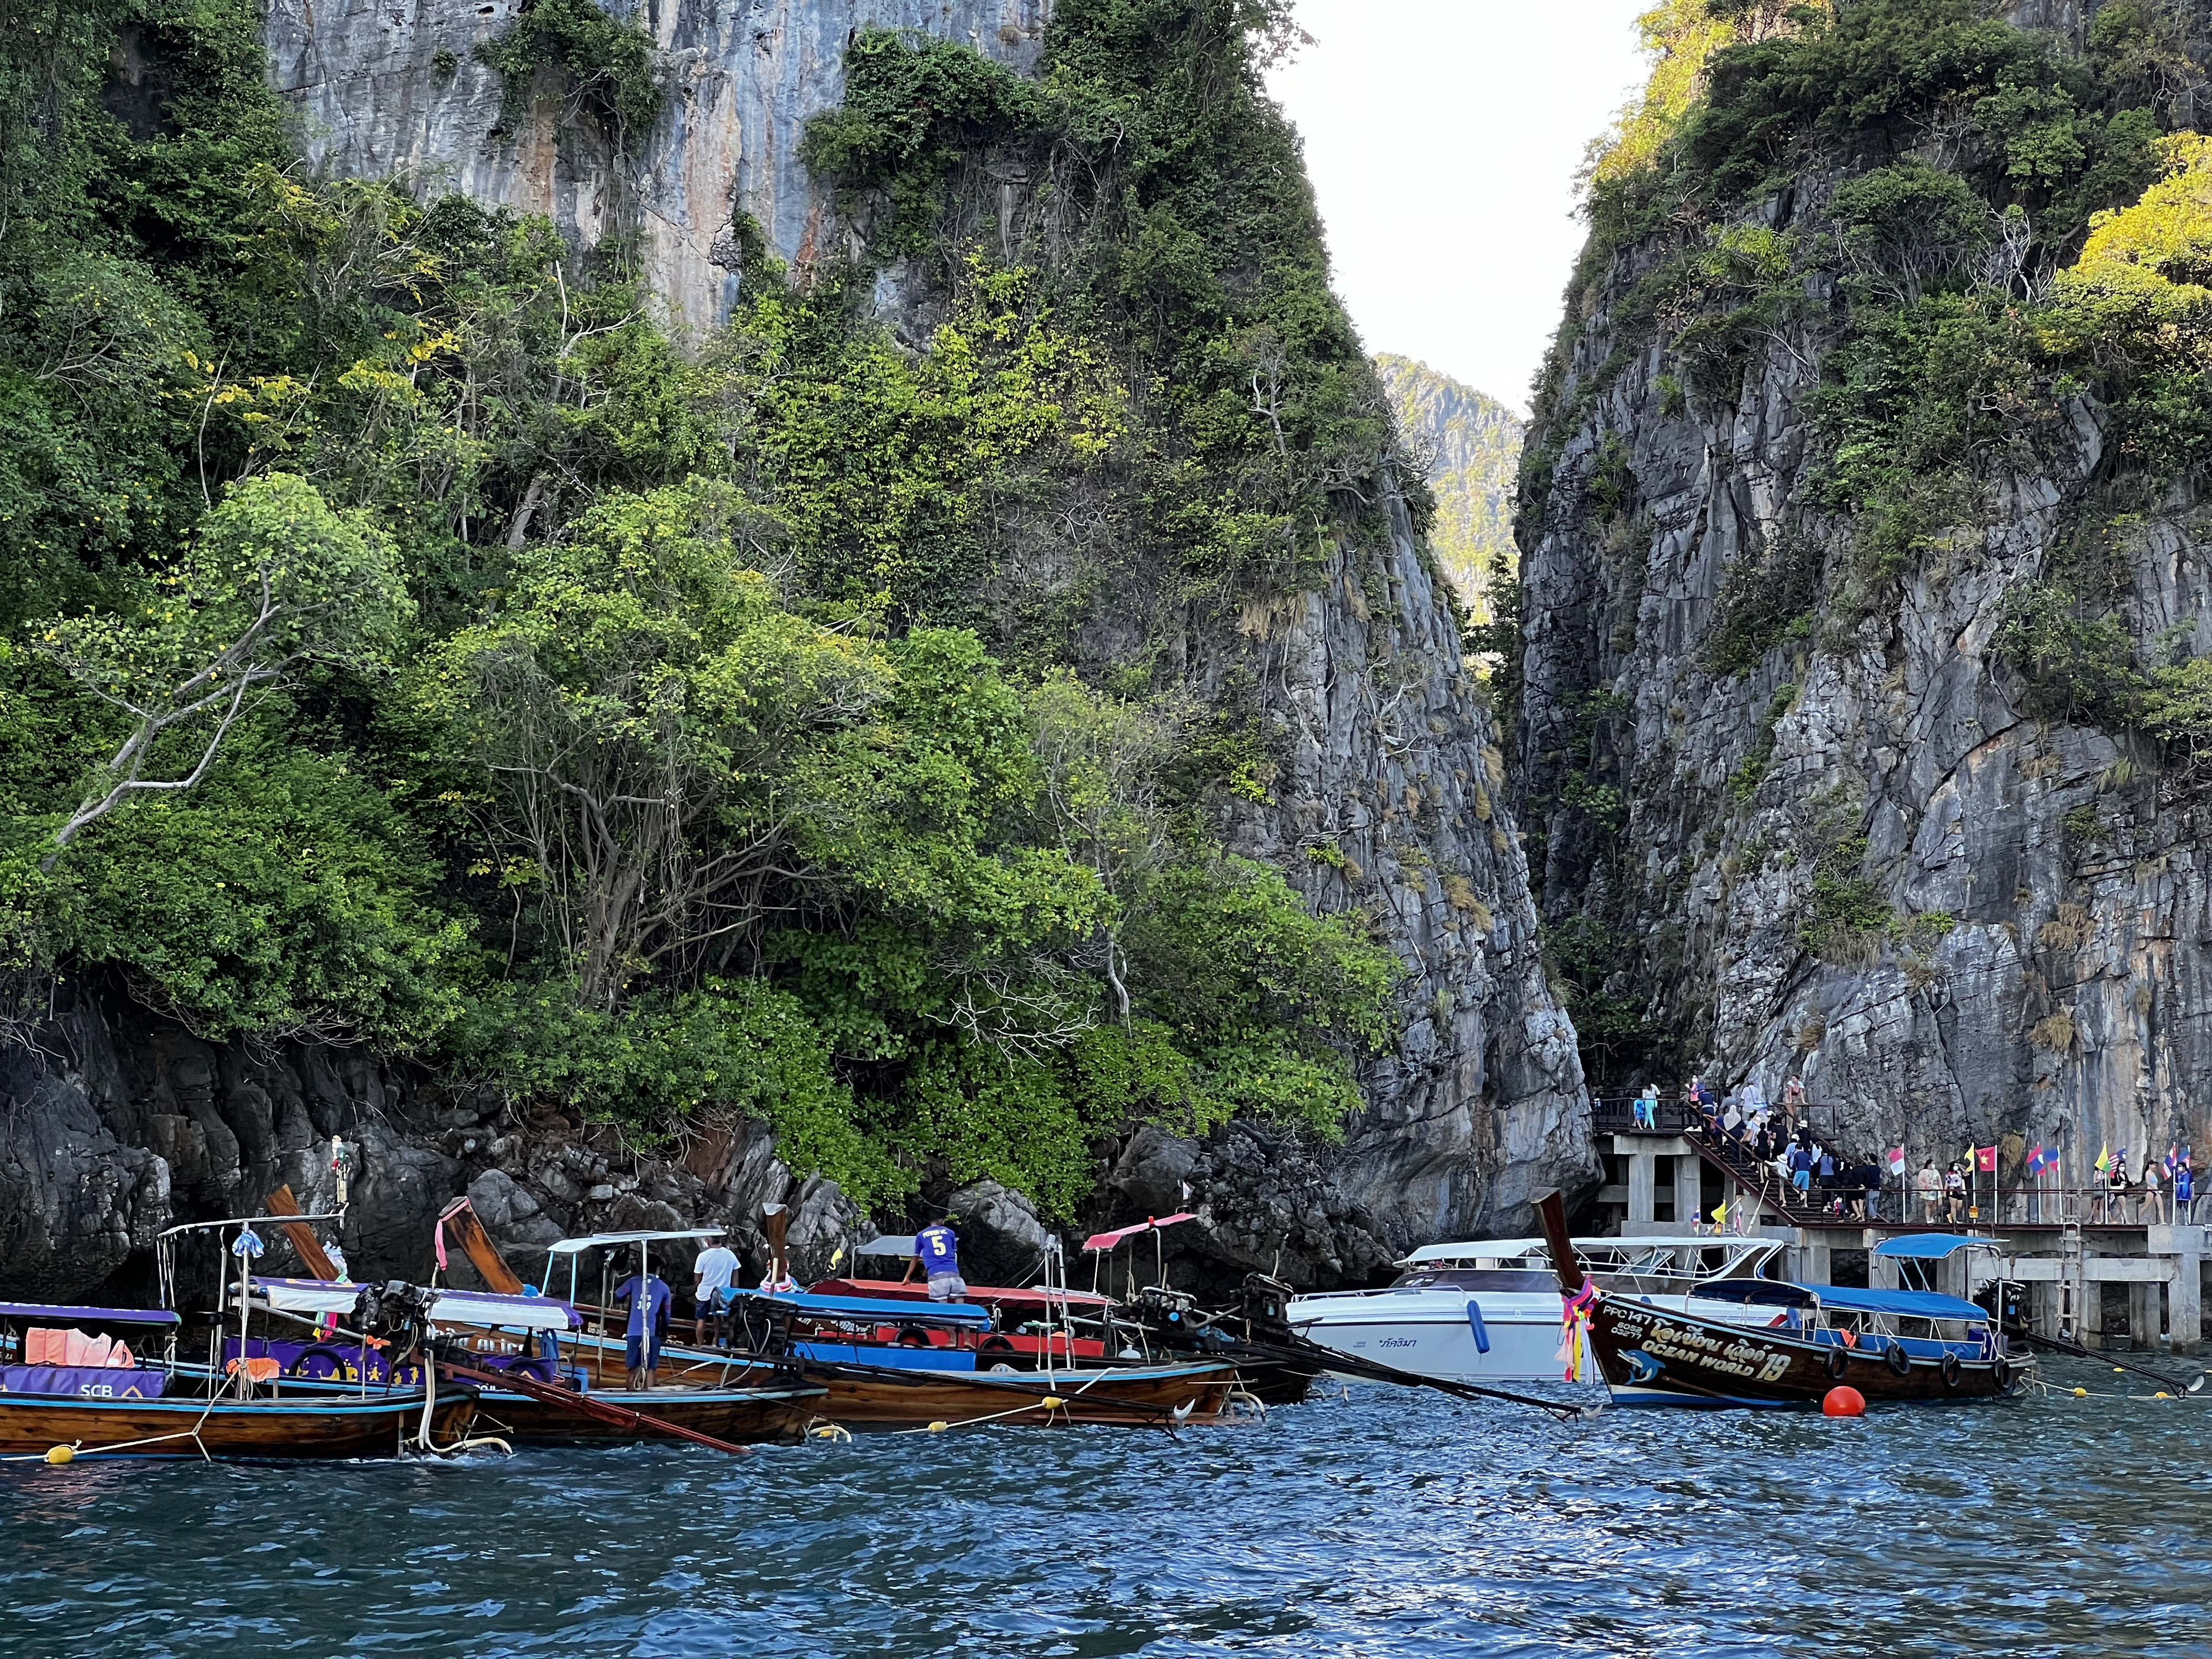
(1390, 798)
(2044, 969)
(1001, 1240)
(124, 1125)
(740, 78)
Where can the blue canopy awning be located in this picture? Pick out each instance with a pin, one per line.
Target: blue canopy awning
(1915, 1304)
(887, 1313)
(1932, 1246)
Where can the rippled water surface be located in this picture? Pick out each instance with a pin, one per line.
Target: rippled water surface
(1377, 1523)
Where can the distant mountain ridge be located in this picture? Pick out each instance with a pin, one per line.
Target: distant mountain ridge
(1475, 445)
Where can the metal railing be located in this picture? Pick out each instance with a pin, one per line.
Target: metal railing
(1676, 1115)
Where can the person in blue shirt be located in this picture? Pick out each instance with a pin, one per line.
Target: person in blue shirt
(649, 1299)
(937, 1247)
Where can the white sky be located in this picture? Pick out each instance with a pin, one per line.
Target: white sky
(1443, 138)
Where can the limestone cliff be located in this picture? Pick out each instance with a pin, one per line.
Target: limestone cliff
(1384, 791)
(1791, 819)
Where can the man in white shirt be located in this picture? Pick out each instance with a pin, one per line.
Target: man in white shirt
(713, 1270)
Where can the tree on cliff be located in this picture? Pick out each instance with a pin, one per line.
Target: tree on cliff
(273, 580)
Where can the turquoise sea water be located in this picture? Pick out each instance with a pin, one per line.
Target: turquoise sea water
(1375, 1524)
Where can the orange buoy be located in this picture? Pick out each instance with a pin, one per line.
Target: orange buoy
(1843, 1401)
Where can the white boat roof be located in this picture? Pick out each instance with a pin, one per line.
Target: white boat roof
(1508, 1250)
(450, 1307)
(576, 1246)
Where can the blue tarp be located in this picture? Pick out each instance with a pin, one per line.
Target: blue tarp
(888, 1356)
(887, 1313)
(1915, 1304)
(1837, 1298)
(1931, 1246)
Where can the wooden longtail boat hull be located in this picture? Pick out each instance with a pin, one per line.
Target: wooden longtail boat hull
(741, 1416)
(866, 1397)
(293, 1428)
(1656, 1355)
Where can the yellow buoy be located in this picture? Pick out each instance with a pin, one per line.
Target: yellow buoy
(2162, 1394)
(1052, 1402)
(60, 1453)
(2116, 1369)
(938, 1428)
(2081, 1394)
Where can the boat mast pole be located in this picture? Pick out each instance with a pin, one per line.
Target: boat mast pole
(1565, 1262)
(244, 1310)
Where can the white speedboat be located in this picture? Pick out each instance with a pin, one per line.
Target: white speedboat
(1488, 1311)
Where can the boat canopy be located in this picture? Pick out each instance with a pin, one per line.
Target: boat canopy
(320, 1296)
(1932, 1246)
(1838, 1298)
(1106, 1240)
(888, 1244)
(101, 1316)
(996, 1295)
(1516, 1250)
(577, 1246)
(887, 1313)
(1914, 1304)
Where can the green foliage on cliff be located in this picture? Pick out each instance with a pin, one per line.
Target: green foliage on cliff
(606, 66)
(665, 734)
(1178, 224)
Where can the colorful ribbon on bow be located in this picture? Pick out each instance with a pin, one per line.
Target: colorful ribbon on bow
(1574, 1329)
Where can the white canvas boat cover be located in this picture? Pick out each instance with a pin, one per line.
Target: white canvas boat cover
(577, 1246)
(318, 1296)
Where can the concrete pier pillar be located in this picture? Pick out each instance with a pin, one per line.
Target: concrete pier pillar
(1813, 1261)
(2143, 1314)
(2184, 1292)
(2184, 1304)
(1951, 1274)
(1884, 1272)
(1642, 1185)
(2092, 1313)
(2046, 1307)
(1689, 1184)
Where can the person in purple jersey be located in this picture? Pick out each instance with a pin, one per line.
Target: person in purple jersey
(937, 1247)
(649, 1299)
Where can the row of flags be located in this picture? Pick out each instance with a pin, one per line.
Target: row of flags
(2041, 1157)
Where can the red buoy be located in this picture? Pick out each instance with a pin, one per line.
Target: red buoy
(1843, 1401)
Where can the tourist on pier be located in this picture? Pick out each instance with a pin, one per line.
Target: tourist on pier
(1867, 1177)
(2116, 1191)
(2185, 1193)
(1647, 1107)
(1801, 1173)
(937, 1248)
(1929, 1186)
(2154, 1199)
(1954, 1192)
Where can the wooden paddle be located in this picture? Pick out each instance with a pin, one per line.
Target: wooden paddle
(310, 1249)
(605, 1411)
(461, 1221)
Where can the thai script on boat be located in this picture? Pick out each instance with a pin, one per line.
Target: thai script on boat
(1731, 1357)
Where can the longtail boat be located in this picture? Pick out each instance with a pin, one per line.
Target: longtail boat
(1891, 1345)
(1048, 1326)
(835, 1344)
(103, 1398)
